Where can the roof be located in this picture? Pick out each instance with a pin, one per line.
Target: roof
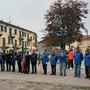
(85, 37)
(17, 27)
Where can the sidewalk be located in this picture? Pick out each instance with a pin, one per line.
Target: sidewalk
(48, 79)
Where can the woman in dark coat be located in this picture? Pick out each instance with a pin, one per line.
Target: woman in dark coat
(27, 62)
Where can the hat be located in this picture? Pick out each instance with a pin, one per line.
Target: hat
(63, 48)
(77, 48)
(87, 50)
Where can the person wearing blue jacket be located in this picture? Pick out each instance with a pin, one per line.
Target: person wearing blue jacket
(62, 59)
(53, 61)
(78, 57)
(87, 63)
(44, 59)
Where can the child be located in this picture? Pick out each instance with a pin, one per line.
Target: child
(23, 66)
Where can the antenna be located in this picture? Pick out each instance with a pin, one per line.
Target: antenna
(9, 19)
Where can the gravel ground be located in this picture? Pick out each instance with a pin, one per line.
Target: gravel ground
(24, 85)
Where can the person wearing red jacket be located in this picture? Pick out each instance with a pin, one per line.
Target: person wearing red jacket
(71, 57)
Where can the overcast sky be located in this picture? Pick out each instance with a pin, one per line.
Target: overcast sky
(29, 14)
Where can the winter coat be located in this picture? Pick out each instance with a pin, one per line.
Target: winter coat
(78, 57)
(62, 57)
(3, 58)
(53, 59)
(7, 57)
(44, 58)
(71, 55)
(13, 58)
(19, 59)
(87, 59)
(34, 58)
(27, 59)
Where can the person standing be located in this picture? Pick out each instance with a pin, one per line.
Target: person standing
(53, 61)
(34, 62)
(27, 62)
(78, 57)
(62, 59)
(19, 59)
(70, 58)
(44, 59)
(1, 60)
(13, 61)
(7, 60)
(10, 60)
(87, 63)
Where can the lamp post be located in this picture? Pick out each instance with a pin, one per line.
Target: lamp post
(30, 40)
(63, 34)
(22, 48)
(13, 58)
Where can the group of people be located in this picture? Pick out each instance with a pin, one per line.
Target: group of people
(10, 57)
(67, 59)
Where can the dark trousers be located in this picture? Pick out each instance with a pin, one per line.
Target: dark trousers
(71, 63)
(19, 67)
(2, 67)
(7, 65)
(27, 68)
(34, 68)
(13, 68)
(53, 68)
(45, 68)
(87, 71)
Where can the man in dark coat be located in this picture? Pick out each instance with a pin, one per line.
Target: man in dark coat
(27, 62)
(7, 57)
(34, 62)
(10, 60)
(13, 61)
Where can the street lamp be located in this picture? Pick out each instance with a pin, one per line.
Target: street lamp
(22, 48)
(30, 40)
(63, 33)
(13, 58)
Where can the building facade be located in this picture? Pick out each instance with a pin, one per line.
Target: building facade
(84, 44)
(17, 37)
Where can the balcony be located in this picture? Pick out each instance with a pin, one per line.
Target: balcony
(20, 38)
(4, 46)
(11, 36)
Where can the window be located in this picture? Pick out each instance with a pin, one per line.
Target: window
(15, 43)
(25, 34)
(3, 28)
(3, 40)
(10, 40)
(10, 32)
(19, 34)
(22, 34)
(15, 32)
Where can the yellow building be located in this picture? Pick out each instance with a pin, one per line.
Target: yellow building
(12, 35)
